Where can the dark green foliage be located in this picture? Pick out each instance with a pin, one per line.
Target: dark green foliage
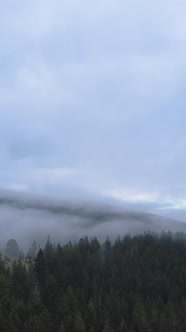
(40, 268)
(134, 285)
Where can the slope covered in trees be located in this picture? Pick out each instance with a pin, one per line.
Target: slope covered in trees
(136, 284)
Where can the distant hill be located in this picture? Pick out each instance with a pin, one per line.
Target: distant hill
(26, 218)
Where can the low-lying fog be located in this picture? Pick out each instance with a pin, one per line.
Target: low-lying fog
(27, 218)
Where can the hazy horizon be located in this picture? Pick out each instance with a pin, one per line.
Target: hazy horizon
(34, 217)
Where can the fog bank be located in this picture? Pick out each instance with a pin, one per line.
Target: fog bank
(27, 218)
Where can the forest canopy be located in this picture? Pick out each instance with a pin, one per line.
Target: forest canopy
(134, 284)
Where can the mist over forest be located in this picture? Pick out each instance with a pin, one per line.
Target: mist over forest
(28, 217)
(92, 166)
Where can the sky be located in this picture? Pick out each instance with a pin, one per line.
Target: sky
(92, 99)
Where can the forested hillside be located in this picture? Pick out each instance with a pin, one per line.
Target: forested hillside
(137, 284)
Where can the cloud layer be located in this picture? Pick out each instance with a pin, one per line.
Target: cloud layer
(92, 98)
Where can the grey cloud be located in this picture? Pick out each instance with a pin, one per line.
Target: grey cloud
(96, 88)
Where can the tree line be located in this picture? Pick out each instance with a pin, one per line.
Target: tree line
(136, 284)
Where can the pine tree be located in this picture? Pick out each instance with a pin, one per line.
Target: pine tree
(40, 268)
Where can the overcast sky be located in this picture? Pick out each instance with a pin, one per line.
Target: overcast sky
(92, 98)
